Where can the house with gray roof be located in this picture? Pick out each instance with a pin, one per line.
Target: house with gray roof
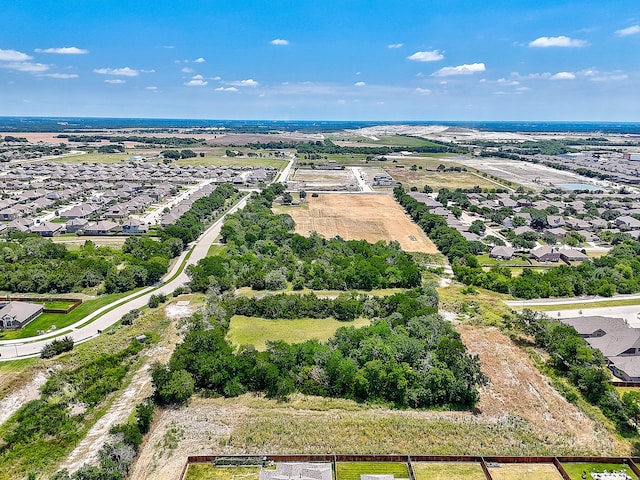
(15, 315)
(618, 343)
(595, 326)
(47, 229)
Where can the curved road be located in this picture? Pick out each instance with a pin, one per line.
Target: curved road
(27, 347)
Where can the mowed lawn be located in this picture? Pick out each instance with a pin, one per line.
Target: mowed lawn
(257, 331)
(353, 470)
(447, 471)
(575, 469)
(211, 472)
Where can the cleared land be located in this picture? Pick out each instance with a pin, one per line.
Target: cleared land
(313, 179)
(257, 331)
(575, 470)
(448, 471)
(74, 242)
(525, 472)
(353, 470)
(370, 217)
(438, 180)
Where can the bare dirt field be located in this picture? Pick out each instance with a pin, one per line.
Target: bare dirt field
(525, 472)
(324, 180)
(370, 217)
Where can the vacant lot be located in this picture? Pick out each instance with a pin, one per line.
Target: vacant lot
(257, 331)
(74, 242)
(211, 472)
(525, 472)
(313, 179)
(438, 180)
(448, 471)
(371, 217)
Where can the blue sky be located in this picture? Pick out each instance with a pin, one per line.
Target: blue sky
(334, 60)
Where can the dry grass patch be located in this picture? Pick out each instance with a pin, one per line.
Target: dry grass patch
(438, 180)
(447, 471)
(529, 471)
(370, 217)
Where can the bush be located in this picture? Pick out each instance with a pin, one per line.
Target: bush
(57, 347)
(128, 318)
(156, 300)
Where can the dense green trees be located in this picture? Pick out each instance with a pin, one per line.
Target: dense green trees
(263, 253)
(408, 357)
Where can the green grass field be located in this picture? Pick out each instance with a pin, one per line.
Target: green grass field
(220, 161)
(215, 250)
(211, 472)
(575, 469)
(447, 471)
(61, 320)
(515, 261)
(353, 470)
(256, 331)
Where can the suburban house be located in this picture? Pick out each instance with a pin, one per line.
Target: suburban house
(618, 343)
(545, 254)
(134, 226)
(47, 229)
(572, 255)
(75, 224)
(504, 253)
(9, 214)
(625, 368)
(595, 326)
(103, 227)
(627, 223)
(14, 315)
(558, 233)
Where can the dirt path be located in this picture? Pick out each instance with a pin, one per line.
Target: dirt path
(31, 391)
(139, 389)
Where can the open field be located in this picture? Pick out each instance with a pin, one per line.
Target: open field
(385, 292)
(312, 179)
(447, 471)
(438, 180)
(211, 472)
(256, 331)
(370, 217)
(552, 307)
(95, 158)
(74, 242)
(221, 161)
(575, 470)
(353, 470)
(525, 471)
(530, 175)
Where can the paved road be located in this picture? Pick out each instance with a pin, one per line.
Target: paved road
(359, 177)
(284, 175)
(28, 347)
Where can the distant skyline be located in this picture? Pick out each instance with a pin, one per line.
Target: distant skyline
(296, 59)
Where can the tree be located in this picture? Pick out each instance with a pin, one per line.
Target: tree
(478, 227)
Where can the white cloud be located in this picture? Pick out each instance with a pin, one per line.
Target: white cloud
(216, 78)
(279, 41)
(199, 60)
(61, 75)
(25, 67)
(227, 89)
(429, 56)
(13, 56)
(466, 69)
(395, 45)
(197, 77)
(151, 88)
(196, 83)
(509, 83)
(596, 76)
(115, 81)
(563, 76)
(245, 83)
(63, 50)
(423, 91)
(123, 72)
(187, 70)
(560, 41)
(625, 32)
(360, 84)
(523, 89)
